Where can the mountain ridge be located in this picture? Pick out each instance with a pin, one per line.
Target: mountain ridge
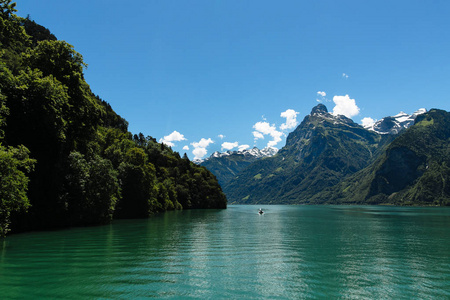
(325, 150)
(228, 164)
(413, 170)
(316, 156)
(395, 124)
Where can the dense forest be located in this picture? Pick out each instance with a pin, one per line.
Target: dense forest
(66, 158)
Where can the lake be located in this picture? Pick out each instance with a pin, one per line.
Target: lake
(290, 252)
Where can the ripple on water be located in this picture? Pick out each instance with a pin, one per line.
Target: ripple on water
(290, 252)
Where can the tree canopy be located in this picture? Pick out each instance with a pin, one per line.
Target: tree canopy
(66, 157)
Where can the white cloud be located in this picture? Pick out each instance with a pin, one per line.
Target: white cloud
(221, 136)
(291, 119)
(321, 96)
(344, 75)
(264, 128)
(173, 137)
(200, 147)
(276, 138)
(199, 152)
(258, 135)
(345, 106)
(229, 146)
(186, 148)
(367, 122)
(243, 147)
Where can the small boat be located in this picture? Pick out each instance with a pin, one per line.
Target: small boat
(260, 211)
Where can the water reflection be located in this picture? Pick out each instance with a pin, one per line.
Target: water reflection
(289, 252)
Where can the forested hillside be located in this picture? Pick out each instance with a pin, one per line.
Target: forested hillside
(66, 158)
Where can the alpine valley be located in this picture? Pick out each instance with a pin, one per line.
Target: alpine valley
(329, 159)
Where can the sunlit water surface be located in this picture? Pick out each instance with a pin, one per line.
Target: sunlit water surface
(289, 252)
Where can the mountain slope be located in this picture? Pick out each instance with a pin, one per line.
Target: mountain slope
(413, 170)
(318, 154)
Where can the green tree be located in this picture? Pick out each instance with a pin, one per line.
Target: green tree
(7, 8)
(138, 178)
(92, 190)
(60, 60)
(13, 39)
(14, 163)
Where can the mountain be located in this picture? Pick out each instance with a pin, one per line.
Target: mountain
(227, 165)
(395, 124)
(321, 151)
(413, 170)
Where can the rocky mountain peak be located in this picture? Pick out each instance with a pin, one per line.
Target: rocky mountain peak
(319, 109)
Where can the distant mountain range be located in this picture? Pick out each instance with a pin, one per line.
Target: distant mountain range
(327, 156)
(228, 164)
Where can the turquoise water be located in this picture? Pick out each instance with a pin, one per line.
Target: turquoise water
(290, 252)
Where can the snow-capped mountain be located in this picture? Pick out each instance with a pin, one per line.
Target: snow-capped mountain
(228, 164)
(395, 124)
(255, 152)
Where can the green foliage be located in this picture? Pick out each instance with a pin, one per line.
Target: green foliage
(36, 32)
(138, 180)
(88, 167)
(7, 8)
(13, 39)
(14, 163)
(4, 111)
(36, 104)
(91, 190)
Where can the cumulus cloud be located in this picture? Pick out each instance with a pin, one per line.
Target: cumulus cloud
(199, 153)
(171, 138)
(229, 146)
(345, 106)
(264, 128)
(243, 147)
(291, 119)
(186, 148)
(344, 75)
(200, 147)
(258, 135)
(276, 139)
(221, 136)
(322, 94)
(367, 122)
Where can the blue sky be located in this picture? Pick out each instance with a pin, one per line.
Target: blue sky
(224, 73)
